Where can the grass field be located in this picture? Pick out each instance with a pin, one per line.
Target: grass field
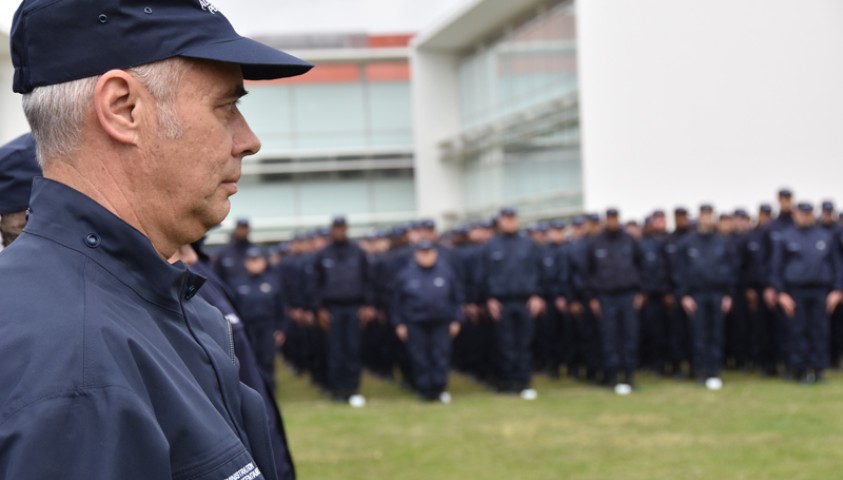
(753, 429)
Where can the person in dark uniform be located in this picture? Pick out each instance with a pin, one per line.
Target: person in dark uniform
(557, 282)
(220, 295)
(828, 221)
(228, 262)
(260, 301)
(18, 166)
(807, 273)
(613, 283)
(511, 268)
(343, 298)
(754, 257)
(706, 272)
(587, 349)
(427, 314)
(658, 297)
(126, 372)
(678, 336)
(783, 220)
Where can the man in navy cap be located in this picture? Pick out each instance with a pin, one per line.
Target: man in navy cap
(613, 290)
(754, 258)
(127, 373)
(511, 266)
(18, 166)
(658, 299)
(678, 338)
(807, 273)
(705, 275)
(427, 306)
(229, 261)
(344, 298)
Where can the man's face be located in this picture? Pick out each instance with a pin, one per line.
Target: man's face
(556, 235)
(658, 224)
(804, 219)
(681, 221)
(339, 233)
(706, 220)
(241, 232)
(785, 203)
(426, 258)
(613, 223)
(255, 265)
(193, 176)
(508, 223)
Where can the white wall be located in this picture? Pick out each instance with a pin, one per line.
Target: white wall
(12, 121)
(710, 100)
(435, 117)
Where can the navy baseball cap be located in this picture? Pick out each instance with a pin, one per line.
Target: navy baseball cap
(593, 217)
(18, 166)
(741, 213)
(828, 206)
(785, 193)
(254, 252)
(805, 207)
(427, 224)
(765, 208)
(339, 221)
(578, 220)
(706, 208)
(680, 211)
(557, 224)
(59, 41)
(425, 245)
(243, 222)
(508, 212)
(612, 212)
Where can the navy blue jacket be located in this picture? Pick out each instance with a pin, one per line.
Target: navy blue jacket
(612, 262)
(804, 258)
(260, 300)
(425, 295)
(655, 265)
(342, 276)
(229, 264)
(470, 256)
(218, 294)
(754, 255)
(112, 366)
(705, 262)
(511, 267)
(556, 274)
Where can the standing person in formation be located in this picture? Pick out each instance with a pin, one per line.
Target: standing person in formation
(343, 298)
(427, 307)
(613, 283)
(229, 261)
(678, 336)
(557, 281)
(705, 275)
(807, 273)
(658, 297)
(754, 258)
(260, 301)
(18, 166)
(511, 266)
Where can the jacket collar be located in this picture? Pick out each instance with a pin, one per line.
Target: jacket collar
(75, 221)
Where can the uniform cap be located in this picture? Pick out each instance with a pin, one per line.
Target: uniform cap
(578, 221)
(828, 206)
(612, 212)
(805, 207)
(765, 208)
(680, 211)
(58, 41)
(427, 224)
(558, 224)
(339, 221)
(741, 213)
(508, 212)
(425, 245)
(785, 193)
(18, 166)
(254, 252)
(593, 217)
(706, 208)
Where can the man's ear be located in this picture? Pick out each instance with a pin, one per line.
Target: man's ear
(119, 99)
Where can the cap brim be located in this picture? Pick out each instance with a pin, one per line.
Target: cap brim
(259, 61)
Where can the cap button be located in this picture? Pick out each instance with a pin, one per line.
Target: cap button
(147, 10)
(92, 240)
(103, 18)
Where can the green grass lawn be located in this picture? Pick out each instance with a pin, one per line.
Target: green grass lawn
(753, 429)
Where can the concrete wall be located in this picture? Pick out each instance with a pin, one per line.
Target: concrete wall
(701, 100)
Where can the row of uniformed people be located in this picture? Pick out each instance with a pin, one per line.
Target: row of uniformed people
(598, 299)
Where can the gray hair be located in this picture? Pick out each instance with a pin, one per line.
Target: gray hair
(56, 112)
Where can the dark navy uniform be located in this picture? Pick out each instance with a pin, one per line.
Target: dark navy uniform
(585, 338)
(121, 371)
(218, 294)
(612, 277)
(260, 301)
(754, 255)
(806, 264)
(342, 287)
(706, 270)
(655, 315)
(511, 266)
(228, 264)
(556, 279)
(427, 301)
